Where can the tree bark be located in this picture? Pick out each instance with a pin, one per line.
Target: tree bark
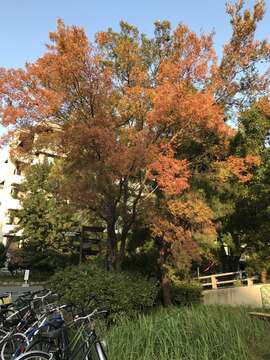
(165, 281)
(122, 250)
(166, 290)
(264, 276)
(111, 247)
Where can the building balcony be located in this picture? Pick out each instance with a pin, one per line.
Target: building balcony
(17, 179)
(12, 204)
(9, 230)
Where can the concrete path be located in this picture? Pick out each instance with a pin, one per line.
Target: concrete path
(17, 290)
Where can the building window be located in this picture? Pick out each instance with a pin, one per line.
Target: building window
(9, 219)
(15, 192)
(12, 217)
(17, 171)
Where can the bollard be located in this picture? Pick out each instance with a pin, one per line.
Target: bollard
(26, 278)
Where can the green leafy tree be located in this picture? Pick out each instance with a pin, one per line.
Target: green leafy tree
(248, 221)
(43, 220)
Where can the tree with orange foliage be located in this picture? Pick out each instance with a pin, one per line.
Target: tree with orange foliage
(142, 122)
(241, 81)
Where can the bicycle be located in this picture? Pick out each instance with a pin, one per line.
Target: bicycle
(85, 344)
(26, 325)
(45, 334)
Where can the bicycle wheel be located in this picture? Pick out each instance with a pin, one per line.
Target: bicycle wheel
(3, 333)
(35, 355)
(42, 345)
(51, 342)
(8, 318)
(13, 346)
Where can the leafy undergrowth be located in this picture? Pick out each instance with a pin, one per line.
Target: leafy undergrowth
(199, 333)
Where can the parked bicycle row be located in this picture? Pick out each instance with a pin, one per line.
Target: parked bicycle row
(36, 326)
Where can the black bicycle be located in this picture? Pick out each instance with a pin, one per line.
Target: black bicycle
(59, 345)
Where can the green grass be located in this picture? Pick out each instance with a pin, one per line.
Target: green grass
(200, 333)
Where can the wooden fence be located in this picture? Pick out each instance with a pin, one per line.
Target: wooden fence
(215, 280)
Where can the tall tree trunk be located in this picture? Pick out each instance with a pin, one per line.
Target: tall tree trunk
(166, 289)
(165, 282)
(122, 250)
(111, 247)
(264, 276)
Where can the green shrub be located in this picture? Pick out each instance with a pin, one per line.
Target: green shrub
(123, 292)
(46, 262)
(186, 293)
(144, 263)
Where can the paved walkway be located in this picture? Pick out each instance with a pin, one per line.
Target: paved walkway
(17, 290)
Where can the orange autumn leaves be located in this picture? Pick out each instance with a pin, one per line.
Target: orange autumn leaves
(128, 109)
(186, 85)
(53, 84)
(187, 219)
(171, 175)
(240, 168)
(243, 168)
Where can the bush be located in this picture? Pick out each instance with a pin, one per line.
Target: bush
(123, 292)
(144, 263)
(46, 262)
(186, 293)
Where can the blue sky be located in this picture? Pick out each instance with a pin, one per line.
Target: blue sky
(25, 24)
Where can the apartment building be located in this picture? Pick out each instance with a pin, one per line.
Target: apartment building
(12, 174)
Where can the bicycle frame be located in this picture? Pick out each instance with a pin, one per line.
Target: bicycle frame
(84, 350)
(28, 335)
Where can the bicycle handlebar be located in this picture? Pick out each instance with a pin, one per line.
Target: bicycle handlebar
(92, 314)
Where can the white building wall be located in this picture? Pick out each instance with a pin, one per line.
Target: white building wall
(10, 176)
(8, 180)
